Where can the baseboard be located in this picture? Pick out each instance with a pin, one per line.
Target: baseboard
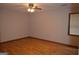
(14, 40)
(55, 42)
(43, 40)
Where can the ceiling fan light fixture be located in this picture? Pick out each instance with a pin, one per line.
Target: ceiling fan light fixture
(30, 10)
(32, 7)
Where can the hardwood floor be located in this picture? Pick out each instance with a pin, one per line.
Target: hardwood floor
(31, 46)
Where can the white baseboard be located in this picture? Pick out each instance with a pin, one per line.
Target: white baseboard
(16, 38)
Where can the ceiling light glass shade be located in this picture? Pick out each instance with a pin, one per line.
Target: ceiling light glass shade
(32, 10)
(29, 10)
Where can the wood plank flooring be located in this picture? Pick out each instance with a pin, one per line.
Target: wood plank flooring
(31, 46)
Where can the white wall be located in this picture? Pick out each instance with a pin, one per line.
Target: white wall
(13, 24)
(51, 24)
(0, 26)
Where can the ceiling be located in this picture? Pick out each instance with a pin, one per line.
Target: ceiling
(23, 6)
(13, 6)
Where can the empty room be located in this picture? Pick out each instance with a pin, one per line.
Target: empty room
(39, 28)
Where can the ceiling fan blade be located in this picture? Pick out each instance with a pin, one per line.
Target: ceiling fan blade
(37, 8)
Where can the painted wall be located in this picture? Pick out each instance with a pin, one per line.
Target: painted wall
(13, 24)
(52, 24)
(0, 23)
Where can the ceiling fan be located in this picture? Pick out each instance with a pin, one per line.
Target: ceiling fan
(32, 7)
